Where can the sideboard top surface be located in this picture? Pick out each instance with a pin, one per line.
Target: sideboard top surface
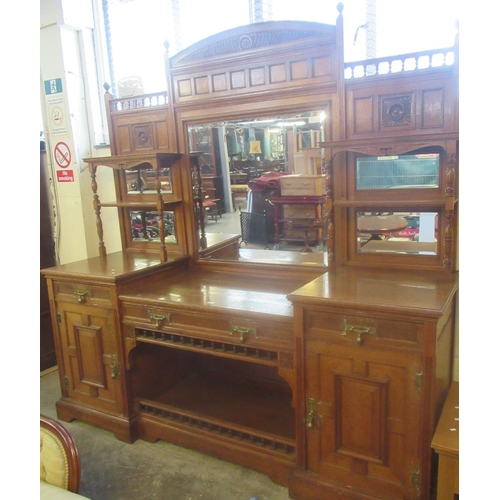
(228, 291)
(114, 267)
(406, 292)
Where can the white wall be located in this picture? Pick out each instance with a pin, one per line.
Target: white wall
(67, 54)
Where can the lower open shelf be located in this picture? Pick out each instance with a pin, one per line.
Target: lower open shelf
(245, 413)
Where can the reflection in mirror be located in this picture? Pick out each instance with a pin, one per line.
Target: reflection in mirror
(142, 180)
(397, 232)
(242, 162)
(145, 226)
(398, 172)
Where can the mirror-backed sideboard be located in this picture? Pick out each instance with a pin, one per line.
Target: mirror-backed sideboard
(328, 374)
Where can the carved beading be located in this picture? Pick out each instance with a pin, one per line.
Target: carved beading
(240, 43)
(176, 417)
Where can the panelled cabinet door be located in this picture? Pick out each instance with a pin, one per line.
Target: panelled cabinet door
(89, 348)
(363, 417)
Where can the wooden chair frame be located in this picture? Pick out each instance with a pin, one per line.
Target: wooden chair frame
(69, 445)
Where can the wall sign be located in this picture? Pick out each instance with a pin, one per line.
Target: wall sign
(62, 155)
(55, 99)
(65, 176)
(53, 86)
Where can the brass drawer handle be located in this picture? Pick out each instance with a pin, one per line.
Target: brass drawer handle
(243, 332)
(359, 331)
(81, 295)
(158, 318)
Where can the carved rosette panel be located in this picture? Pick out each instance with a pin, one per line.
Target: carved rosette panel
(142, 136)
(395, 111)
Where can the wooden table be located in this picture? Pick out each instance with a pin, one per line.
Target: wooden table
(238, 177)
(377, 225)
(445, 443)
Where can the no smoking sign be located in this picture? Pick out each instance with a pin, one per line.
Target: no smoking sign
(62, 155)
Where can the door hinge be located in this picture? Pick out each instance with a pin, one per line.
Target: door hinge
(58, 316)
(312, 416)
(66, 382)
(114, 366)
(418, 381)
(415, 479)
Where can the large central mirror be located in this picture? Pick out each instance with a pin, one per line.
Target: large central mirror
(264, 177)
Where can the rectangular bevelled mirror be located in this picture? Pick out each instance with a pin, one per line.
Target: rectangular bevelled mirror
(142, 180)
(398, 172)
(145, 226)
(264, 177)
(414, 233)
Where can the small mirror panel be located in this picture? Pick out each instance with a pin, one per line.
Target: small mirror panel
(142, 180)
(398, 172)
(397, 232)
(145, 226)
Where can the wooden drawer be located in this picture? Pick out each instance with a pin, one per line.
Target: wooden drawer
(80, 293)
(363, 330)
(228, 328)
(303, 185)
(302, 211)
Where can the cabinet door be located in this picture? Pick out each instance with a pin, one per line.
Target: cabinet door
(90, 356)
(364, 423)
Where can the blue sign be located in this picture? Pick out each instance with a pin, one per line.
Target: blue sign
(53, 86)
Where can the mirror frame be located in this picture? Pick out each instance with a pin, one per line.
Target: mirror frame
(262, 69)
(202, 116)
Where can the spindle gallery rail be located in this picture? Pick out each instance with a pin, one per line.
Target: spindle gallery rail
(402, 63)
(139, 101)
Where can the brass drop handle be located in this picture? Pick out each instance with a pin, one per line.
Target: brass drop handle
(158, 318)
(114, 367)
(359, 331)
(81, 295)
(243, 331)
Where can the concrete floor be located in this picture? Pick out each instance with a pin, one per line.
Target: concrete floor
(113, 470)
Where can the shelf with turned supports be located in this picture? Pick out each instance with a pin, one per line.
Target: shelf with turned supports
(148, 198)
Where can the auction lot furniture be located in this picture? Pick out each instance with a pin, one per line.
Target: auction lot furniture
(325, 371)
